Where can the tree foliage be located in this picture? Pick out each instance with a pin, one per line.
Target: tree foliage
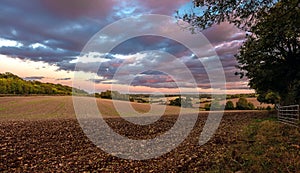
(251, 106)
(215, 105)
(182, 102)
(242, 13)
(269, 97)
(270, 57)
(11, 84)
(229, 105)
(243, 104)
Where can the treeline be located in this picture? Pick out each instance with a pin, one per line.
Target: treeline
(182, 102)
(241, 104)
(11, 84)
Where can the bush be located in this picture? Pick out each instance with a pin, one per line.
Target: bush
(251, 106)
(229, 105)
(207, 107)
(215, 105)
(182, 102)
(176, 102)
(242, 104)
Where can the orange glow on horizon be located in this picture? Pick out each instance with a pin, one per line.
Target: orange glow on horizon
(51, 73)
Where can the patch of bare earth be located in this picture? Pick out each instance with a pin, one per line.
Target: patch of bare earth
(59, 145)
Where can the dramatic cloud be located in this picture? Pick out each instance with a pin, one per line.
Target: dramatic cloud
(223, 33)
(73, 9)
(55, 32)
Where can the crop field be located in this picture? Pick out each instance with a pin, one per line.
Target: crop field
(41, 107)
(41, 134)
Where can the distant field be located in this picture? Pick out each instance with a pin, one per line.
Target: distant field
(40, 107)
(36, 107)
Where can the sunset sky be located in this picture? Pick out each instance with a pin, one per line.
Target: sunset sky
(43, 40)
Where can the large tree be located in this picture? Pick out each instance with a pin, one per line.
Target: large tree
(270, 55)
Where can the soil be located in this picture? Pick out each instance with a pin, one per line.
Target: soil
(59, 145)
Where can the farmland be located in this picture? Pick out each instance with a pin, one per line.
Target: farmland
(50, 107)
(41, 134)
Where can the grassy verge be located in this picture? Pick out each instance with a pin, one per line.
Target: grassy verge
(265, 145)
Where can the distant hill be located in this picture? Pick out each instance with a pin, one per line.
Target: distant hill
(11, 84)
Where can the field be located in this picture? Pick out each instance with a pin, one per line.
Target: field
(41, 134)
(41, 107)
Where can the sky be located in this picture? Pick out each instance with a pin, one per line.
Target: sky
(45, 40)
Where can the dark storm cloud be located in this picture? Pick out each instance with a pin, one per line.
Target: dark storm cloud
(62, 27)
(73, 9)
(146, 43)
(66, 65)
(28, 23)
(108, 69)
(39, 54)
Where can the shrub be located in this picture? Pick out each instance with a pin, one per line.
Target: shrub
(251, 106)
(229, 105)
(207, 107)
(215, 105)
(242, 104)
(182, 102)
(176, 102)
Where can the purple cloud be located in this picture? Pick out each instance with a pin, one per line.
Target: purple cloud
(55, 31)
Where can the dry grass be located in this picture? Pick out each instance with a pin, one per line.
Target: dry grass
(265, 145)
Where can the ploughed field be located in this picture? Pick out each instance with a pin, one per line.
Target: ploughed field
(41, 134)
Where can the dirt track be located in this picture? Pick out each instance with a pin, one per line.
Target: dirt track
(59, 145)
